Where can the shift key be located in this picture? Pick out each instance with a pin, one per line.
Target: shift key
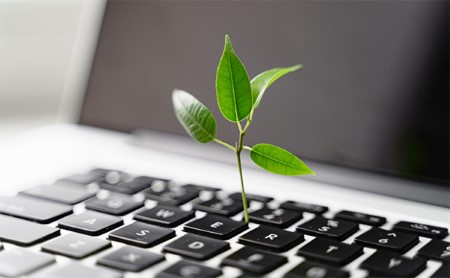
(33, 209)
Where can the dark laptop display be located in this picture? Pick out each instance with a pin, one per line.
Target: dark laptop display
(373, 93)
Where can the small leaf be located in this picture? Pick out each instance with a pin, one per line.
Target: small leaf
(195, 117)
(262, 81)
(233, 86)
(277, 160)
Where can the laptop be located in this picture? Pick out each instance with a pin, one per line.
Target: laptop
(125, 192)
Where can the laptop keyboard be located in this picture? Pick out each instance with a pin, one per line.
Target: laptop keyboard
(130, 224)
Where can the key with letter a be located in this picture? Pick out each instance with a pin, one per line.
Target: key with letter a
(90, 223)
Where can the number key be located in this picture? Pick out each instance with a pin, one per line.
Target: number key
(421, 229)
(394, 241)
(275, 217)
(335, 229)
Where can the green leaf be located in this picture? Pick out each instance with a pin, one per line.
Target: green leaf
(195, 117)
(262, 81)
(277, 160)
(233, 86)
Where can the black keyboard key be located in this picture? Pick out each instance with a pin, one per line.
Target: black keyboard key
(362, 218)
(196, 247)
(389, 264)
(390, 240)
(129, 258)
(86, 178)
(271, 239)
(331, 228)
(313, 270)
(442, 272)
(61, 193)
(185, 269)
(23, 232)
(33, 209)
(299, 206)
(254, 261)
(18, 261)
(166, 216)
(275, 217)
(142, 234)
(251, 197)
(198, 188)
(114, 204)
(226, 207)
(125, 184)
(330, 251)
(164, 193)
(421, 229)
(216, 227)
(436, 250)
(75, 245)
(90, 223)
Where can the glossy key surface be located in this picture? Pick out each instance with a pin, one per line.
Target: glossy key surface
(90, 223)
(254, 261)
(271, 239)
(129, 258)
(18, 261)
(33, 209)
(61, 193)
(421, 229)
(115, 204)
(362, 218)
(125, 184)
(226, 207)
(164, 193)
(330, 251)
(299, 206)
(436, 250)
(75, 245)
(197, 247)
(187, 269)
(275, 217)
(330, 228)
(162, 215)
(389, 264)
(24, 233)
(215, 226)
(142, 234)
(388, 240)
(314, 270)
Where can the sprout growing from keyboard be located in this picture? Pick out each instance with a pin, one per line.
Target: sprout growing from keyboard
(237, 97)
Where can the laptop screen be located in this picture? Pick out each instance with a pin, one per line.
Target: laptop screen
(373, 92)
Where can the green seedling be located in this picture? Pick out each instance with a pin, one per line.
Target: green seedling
(238, 98)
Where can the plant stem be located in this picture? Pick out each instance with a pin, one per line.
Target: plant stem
(244, 198)
(225, 144)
